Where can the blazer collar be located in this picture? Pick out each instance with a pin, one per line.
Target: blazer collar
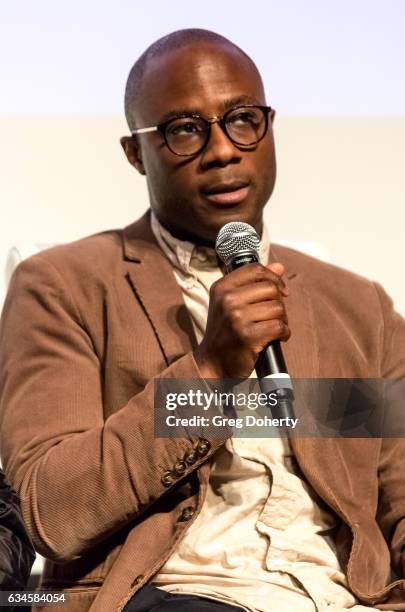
(138, 239)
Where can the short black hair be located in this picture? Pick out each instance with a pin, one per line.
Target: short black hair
(175, 40)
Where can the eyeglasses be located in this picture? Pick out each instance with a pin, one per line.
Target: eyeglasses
(187, 135)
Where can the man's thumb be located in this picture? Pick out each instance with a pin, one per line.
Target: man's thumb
(277, 268)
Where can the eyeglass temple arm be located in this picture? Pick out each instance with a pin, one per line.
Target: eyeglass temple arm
(144, 130)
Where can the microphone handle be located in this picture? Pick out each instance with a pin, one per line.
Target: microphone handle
(273, 377)
(270, 367)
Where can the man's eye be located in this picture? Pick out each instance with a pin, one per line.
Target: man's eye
(186, 127)
(243, 117)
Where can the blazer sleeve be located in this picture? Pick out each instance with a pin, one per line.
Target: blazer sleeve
(75, 472)
(391, 509)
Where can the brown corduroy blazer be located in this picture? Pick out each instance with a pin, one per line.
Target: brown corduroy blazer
(85, 330)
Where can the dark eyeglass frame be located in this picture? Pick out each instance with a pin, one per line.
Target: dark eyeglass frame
(161, 127)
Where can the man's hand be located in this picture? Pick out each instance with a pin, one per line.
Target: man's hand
(246, 312)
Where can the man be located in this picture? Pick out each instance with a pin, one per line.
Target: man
(136, 522)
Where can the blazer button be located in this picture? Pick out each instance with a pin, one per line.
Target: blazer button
(137, 580)
(203, 447)
(190, 457)
(167, 478)
(180, 467)
(186, 514)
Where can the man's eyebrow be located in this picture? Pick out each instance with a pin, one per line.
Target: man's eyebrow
(179, 112)
(238, 101)
(224, 106)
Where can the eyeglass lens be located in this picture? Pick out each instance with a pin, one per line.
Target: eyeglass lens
(244, 126)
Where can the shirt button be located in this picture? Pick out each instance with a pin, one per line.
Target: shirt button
(186, 514)
(190, 457)
(201, 256)
(167, 478)
(180, 467)
(203, 447)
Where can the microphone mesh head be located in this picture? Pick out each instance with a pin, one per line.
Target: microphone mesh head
(234, 238)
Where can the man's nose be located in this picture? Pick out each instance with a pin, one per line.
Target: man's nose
(219, 150)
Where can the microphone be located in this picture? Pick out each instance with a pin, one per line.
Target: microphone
(237, 245)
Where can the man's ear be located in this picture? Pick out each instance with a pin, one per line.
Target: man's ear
(133, 152)
(272, 115)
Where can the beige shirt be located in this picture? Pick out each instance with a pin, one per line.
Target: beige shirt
(261, 540)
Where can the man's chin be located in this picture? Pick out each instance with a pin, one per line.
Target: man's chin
(228, 216)
(205, 225)
(206, 235)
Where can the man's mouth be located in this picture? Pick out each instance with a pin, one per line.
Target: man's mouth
(227, 193)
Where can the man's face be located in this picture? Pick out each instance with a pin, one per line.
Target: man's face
(205, 79)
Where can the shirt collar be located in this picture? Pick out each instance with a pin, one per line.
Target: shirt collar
(186, 255)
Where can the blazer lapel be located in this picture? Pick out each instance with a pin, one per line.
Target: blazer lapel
(301, 351)
(153, 282)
